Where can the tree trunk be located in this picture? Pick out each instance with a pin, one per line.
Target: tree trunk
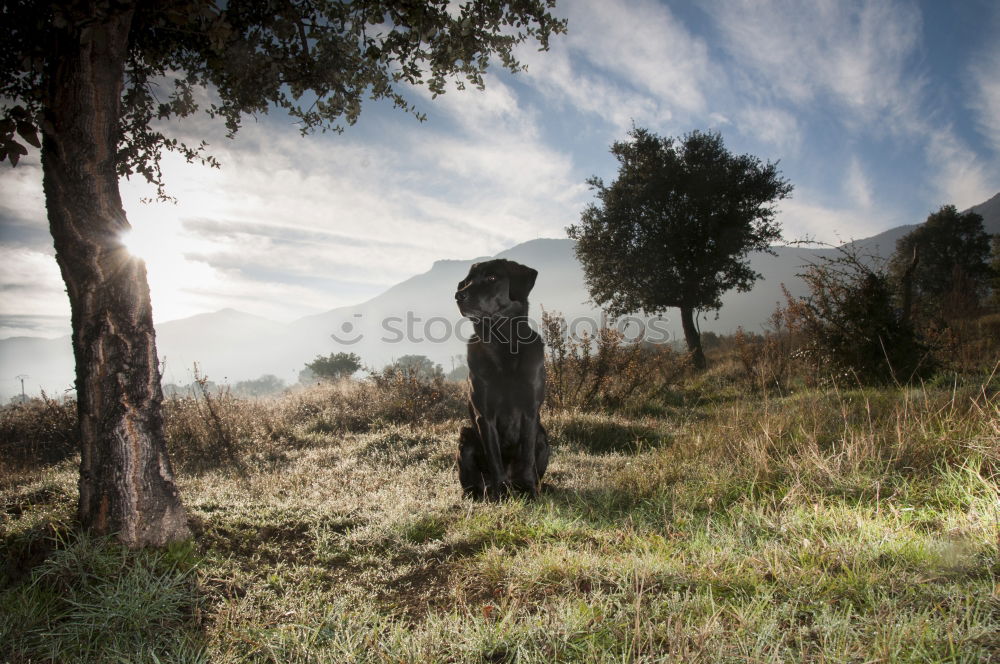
(692, 337)
(908, 285)
(126, 482)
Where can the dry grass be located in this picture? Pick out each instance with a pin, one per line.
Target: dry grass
(820, 527)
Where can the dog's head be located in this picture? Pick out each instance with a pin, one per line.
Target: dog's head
(496, 288)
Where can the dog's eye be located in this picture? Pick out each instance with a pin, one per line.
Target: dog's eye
(491, 278)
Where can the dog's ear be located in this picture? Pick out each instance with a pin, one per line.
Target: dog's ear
(521, 279)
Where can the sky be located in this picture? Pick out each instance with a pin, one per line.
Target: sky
(878, 112)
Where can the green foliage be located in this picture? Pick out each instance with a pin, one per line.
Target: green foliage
(266, 385)
(850, 327)
(92, 600)
(334, 366)
(952, 270)
(677, 225)
(417, 366)
(317, 61)
(416, 393)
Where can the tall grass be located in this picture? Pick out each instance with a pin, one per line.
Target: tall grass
(854, 525)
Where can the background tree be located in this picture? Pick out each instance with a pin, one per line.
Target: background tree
(420, 367)
(259, 387)
(995, 266)
(677, 226)
(459, 369)
(334, 366)
(952, 270)
(97, 78)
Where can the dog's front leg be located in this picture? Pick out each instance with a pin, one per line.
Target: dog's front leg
(470, 464)
(499, 484)
(526, 477)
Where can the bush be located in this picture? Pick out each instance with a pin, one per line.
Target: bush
(390, 395)
(38, 431)
(603, 370)
(767, 359)
(850, 328)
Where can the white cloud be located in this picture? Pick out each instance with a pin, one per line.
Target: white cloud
(857, 186)
(32, 284)
(625, 61)
(557, 77)
(310, 224)
(805, 217)
(292, 225)
(960, 176)
(21, 192)
(853, 54)
(771, 126)
(644, 44)
(985, 76)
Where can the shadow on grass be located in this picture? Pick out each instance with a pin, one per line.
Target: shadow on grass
(604, 434)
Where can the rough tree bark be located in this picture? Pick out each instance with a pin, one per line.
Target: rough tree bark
(126, 481)
(692, 337)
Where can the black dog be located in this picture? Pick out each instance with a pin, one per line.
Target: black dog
(506, 448)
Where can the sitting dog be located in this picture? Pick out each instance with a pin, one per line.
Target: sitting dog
(506, 449)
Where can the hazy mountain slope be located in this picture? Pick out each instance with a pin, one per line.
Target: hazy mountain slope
(47, 363)
(417, 315)
(226, 344)
(990, 212)
(884, 244)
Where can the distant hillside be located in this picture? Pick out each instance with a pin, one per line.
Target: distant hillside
(417, 315)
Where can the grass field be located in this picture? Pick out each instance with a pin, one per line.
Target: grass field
(836, 526)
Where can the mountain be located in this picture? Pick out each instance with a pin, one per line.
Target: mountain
(990, 212)
(418, 316)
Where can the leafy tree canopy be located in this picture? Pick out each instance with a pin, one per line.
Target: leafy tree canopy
(259, 387)
(316, 59)
(952, 250)
(417, 366)
(676, 228)
(334, 366)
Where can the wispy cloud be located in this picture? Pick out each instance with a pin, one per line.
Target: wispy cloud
(850, 54)
(310, 224)
(985, 101)
(626, 61)
(838, 90)
(771, 126)
(30, 283)
(857, 185)
(960, 176)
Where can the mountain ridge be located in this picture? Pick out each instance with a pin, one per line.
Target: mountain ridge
(416, 315)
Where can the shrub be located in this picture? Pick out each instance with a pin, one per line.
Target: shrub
(38, 431)
(389, 395)
(604, 370)
(850, 327)
(767, 358)
(401, 395)
(331, 367)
